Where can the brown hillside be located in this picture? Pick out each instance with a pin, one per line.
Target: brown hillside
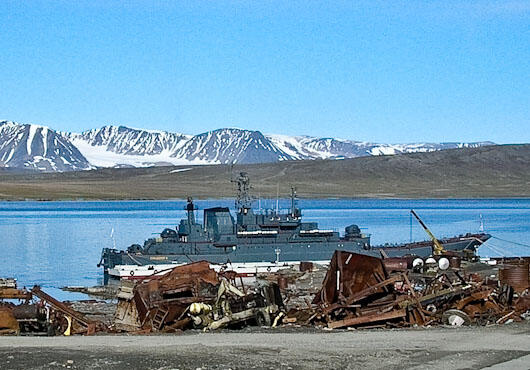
(493, 171)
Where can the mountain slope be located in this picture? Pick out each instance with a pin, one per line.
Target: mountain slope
(231, 145)
(124, 140)
(38, 148)
(306, 147)
(115, 146)
(112, 145)
(492, 171)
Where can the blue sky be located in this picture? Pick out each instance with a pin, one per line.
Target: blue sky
(383, 71)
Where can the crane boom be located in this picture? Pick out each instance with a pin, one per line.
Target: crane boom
(438, 248)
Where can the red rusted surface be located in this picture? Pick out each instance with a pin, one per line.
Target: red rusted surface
(306, 266)
(14, 293)
(352, 321)
(87, 326)
(515, 275)
(8, 322)
(282, 282)
(455, 262)
(361, 291)
(396, 264)
(350, 273)
(163, 300)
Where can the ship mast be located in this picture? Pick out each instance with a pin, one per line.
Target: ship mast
(244, 199)
(190, 208)
(295, 212)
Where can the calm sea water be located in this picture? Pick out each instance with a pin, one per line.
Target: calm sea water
(56, 244)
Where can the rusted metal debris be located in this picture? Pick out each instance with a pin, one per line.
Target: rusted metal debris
(515, 275)
(8, 322)
(46, 316)
(356, 291)
(348, 274)
(306, 266)
(363, 291)
(9, 290)
(193, 295)
(76, 322)
(157, 302)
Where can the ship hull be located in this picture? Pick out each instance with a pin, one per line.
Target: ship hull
(464, 245)
(248, 260)
(255, 253)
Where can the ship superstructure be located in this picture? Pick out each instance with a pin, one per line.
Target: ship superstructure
(266, 237)
(252, 241)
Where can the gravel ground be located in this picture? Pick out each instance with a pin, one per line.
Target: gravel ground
(501, 347)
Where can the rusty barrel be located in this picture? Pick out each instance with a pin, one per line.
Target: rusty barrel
(455, 262)
(282, 282)
(26, 312)
(515, 275)
(306, 266)
(395, 264)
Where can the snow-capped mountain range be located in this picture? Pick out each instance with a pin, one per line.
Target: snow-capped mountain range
(38, 148)
(28, 146)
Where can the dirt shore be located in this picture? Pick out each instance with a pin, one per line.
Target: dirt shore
(498, 347)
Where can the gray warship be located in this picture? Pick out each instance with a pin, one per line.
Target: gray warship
(254, 238)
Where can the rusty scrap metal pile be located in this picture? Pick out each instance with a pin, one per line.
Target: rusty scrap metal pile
(363, 291)
(45, 316)
(194, 296)
(356, 291)
(189, 296)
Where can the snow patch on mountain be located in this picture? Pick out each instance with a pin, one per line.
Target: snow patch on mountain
(43, 149)
(35, 147)
(231, 145)
(119, 145)
(293, 146)
(124, 140)
(100, 156)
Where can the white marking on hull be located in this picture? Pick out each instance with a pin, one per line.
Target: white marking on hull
(243, 269)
